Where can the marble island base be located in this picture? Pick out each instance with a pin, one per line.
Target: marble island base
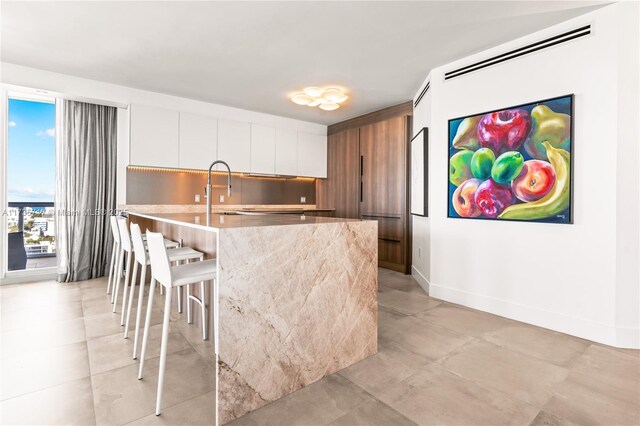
(295, 303)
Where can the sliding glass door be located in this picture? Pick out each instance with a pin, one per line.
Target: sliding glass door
(30, 185)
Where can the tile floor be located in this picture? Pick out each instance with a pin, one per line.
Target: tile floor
(64, 361)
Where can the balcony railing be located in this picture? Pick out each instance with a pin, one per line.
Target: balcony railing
(31, 244)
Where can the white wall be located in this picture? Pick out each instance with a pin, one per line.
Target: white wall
(421, 242)
(17, 77)
(581, 279)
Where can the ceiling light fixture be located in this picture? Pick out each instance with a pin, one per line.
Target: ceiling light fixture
(326, 99)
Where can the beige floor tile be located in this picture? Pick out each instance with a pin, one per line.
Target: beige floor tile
(420, 337)
(33, 317)
(373, 413)
(109, 323)
(547, 345)
(97, 305)
(114, 351)
(398, 281)
(518, 375)
(436, 396)
(317, 404)
(67, 404)
(463, 320)
(42, 369)
(406, 302)
(602, 388)
(545, 419)
(35, 295)
(48, 335)
(193, 412)
(121, 398)
(379, 373)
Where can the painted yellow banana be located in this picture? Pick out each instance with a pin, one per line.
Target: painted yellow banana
(557, 200)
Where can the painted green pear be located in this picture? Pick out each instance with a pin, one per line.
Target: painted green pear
(481, 163)
(459, 169)
(549, 126)
(467, 134)
(507, 167)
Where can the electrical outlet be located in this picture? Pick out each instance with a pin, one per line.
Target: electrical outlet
(222, 198)
(197, 198)
(303, 199)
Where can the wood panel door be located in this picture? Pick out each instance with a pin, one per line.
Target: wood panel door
(383, 148)
(341, 189)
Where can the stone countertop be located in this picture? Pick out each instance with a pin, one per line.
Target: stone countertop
(220, 208)
(227, 221)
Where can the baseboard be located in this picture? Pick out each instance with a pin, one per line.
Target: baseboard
(579, 327)
(31, 278)
(421, 279)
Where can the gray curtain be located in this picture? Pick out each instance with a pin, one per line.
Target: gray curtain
(86, 190)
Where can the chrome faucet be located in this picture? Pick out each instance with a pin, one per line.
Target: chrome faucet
(208, 187)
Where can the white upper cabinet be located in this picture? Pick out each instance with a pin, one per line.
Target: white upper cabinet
(286, 152)
(234, 144)
(198, 141)
(154, 135)
(312, 155)
(263, 149)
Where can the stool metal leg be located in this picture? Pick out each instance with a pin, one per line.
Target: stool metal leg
(114, 296)
(139, 312)
(145, 335)
(163, 350)
(126, 284)
(203, 310)
(111, 267)
(189, 304)
(131, 294)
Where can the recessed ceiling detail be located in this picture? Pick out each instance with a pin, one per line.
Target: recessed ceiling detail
(327, 99)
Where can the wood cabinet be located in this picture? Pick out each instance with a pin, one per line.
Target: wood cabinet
(286, 152)
(234, 144)
(198, 141)
(368, 178)
(263, 149)
(154, 136)
(341, 188)
(312, 155)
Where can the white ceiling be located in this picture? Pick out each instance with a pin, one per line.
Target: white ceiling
(253, 55)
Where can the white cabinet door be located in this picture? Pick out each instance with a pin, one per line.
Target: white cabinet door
(153, 138)
(312, 155)
(234, 144)
(286, 152)
(198, 140)
(263, 149)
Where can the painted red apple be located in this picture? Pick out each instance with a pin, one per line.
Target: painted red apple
(505, 130)
(463, 198)
(534, 181)
(492, 198)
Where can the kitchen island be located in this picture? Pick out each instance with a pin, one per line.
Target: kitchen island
(294, 301)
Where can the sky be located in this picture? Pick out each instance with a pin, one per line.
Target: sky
(31, 159)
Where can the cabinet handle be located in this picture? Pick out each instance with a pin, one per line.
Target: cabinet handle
(361, 165)
(361, 196)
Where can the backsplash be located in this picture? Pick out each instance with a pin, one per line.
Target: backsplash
(165, 186)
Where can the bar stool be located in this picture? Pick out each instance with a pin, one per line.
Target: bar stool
(114, 252)
(169, 277)
(141, 258)
(126, 249)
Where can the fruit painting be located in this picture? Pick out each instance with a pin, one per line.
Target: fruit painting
(513, 164)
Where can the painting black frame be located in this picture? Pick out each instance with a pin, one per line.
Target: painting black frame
(425, 161)
(571, 171)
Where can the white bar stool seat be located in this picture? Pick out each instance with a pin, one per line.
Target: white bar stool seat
(180, 254)
(169, 276)
(127, 249)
